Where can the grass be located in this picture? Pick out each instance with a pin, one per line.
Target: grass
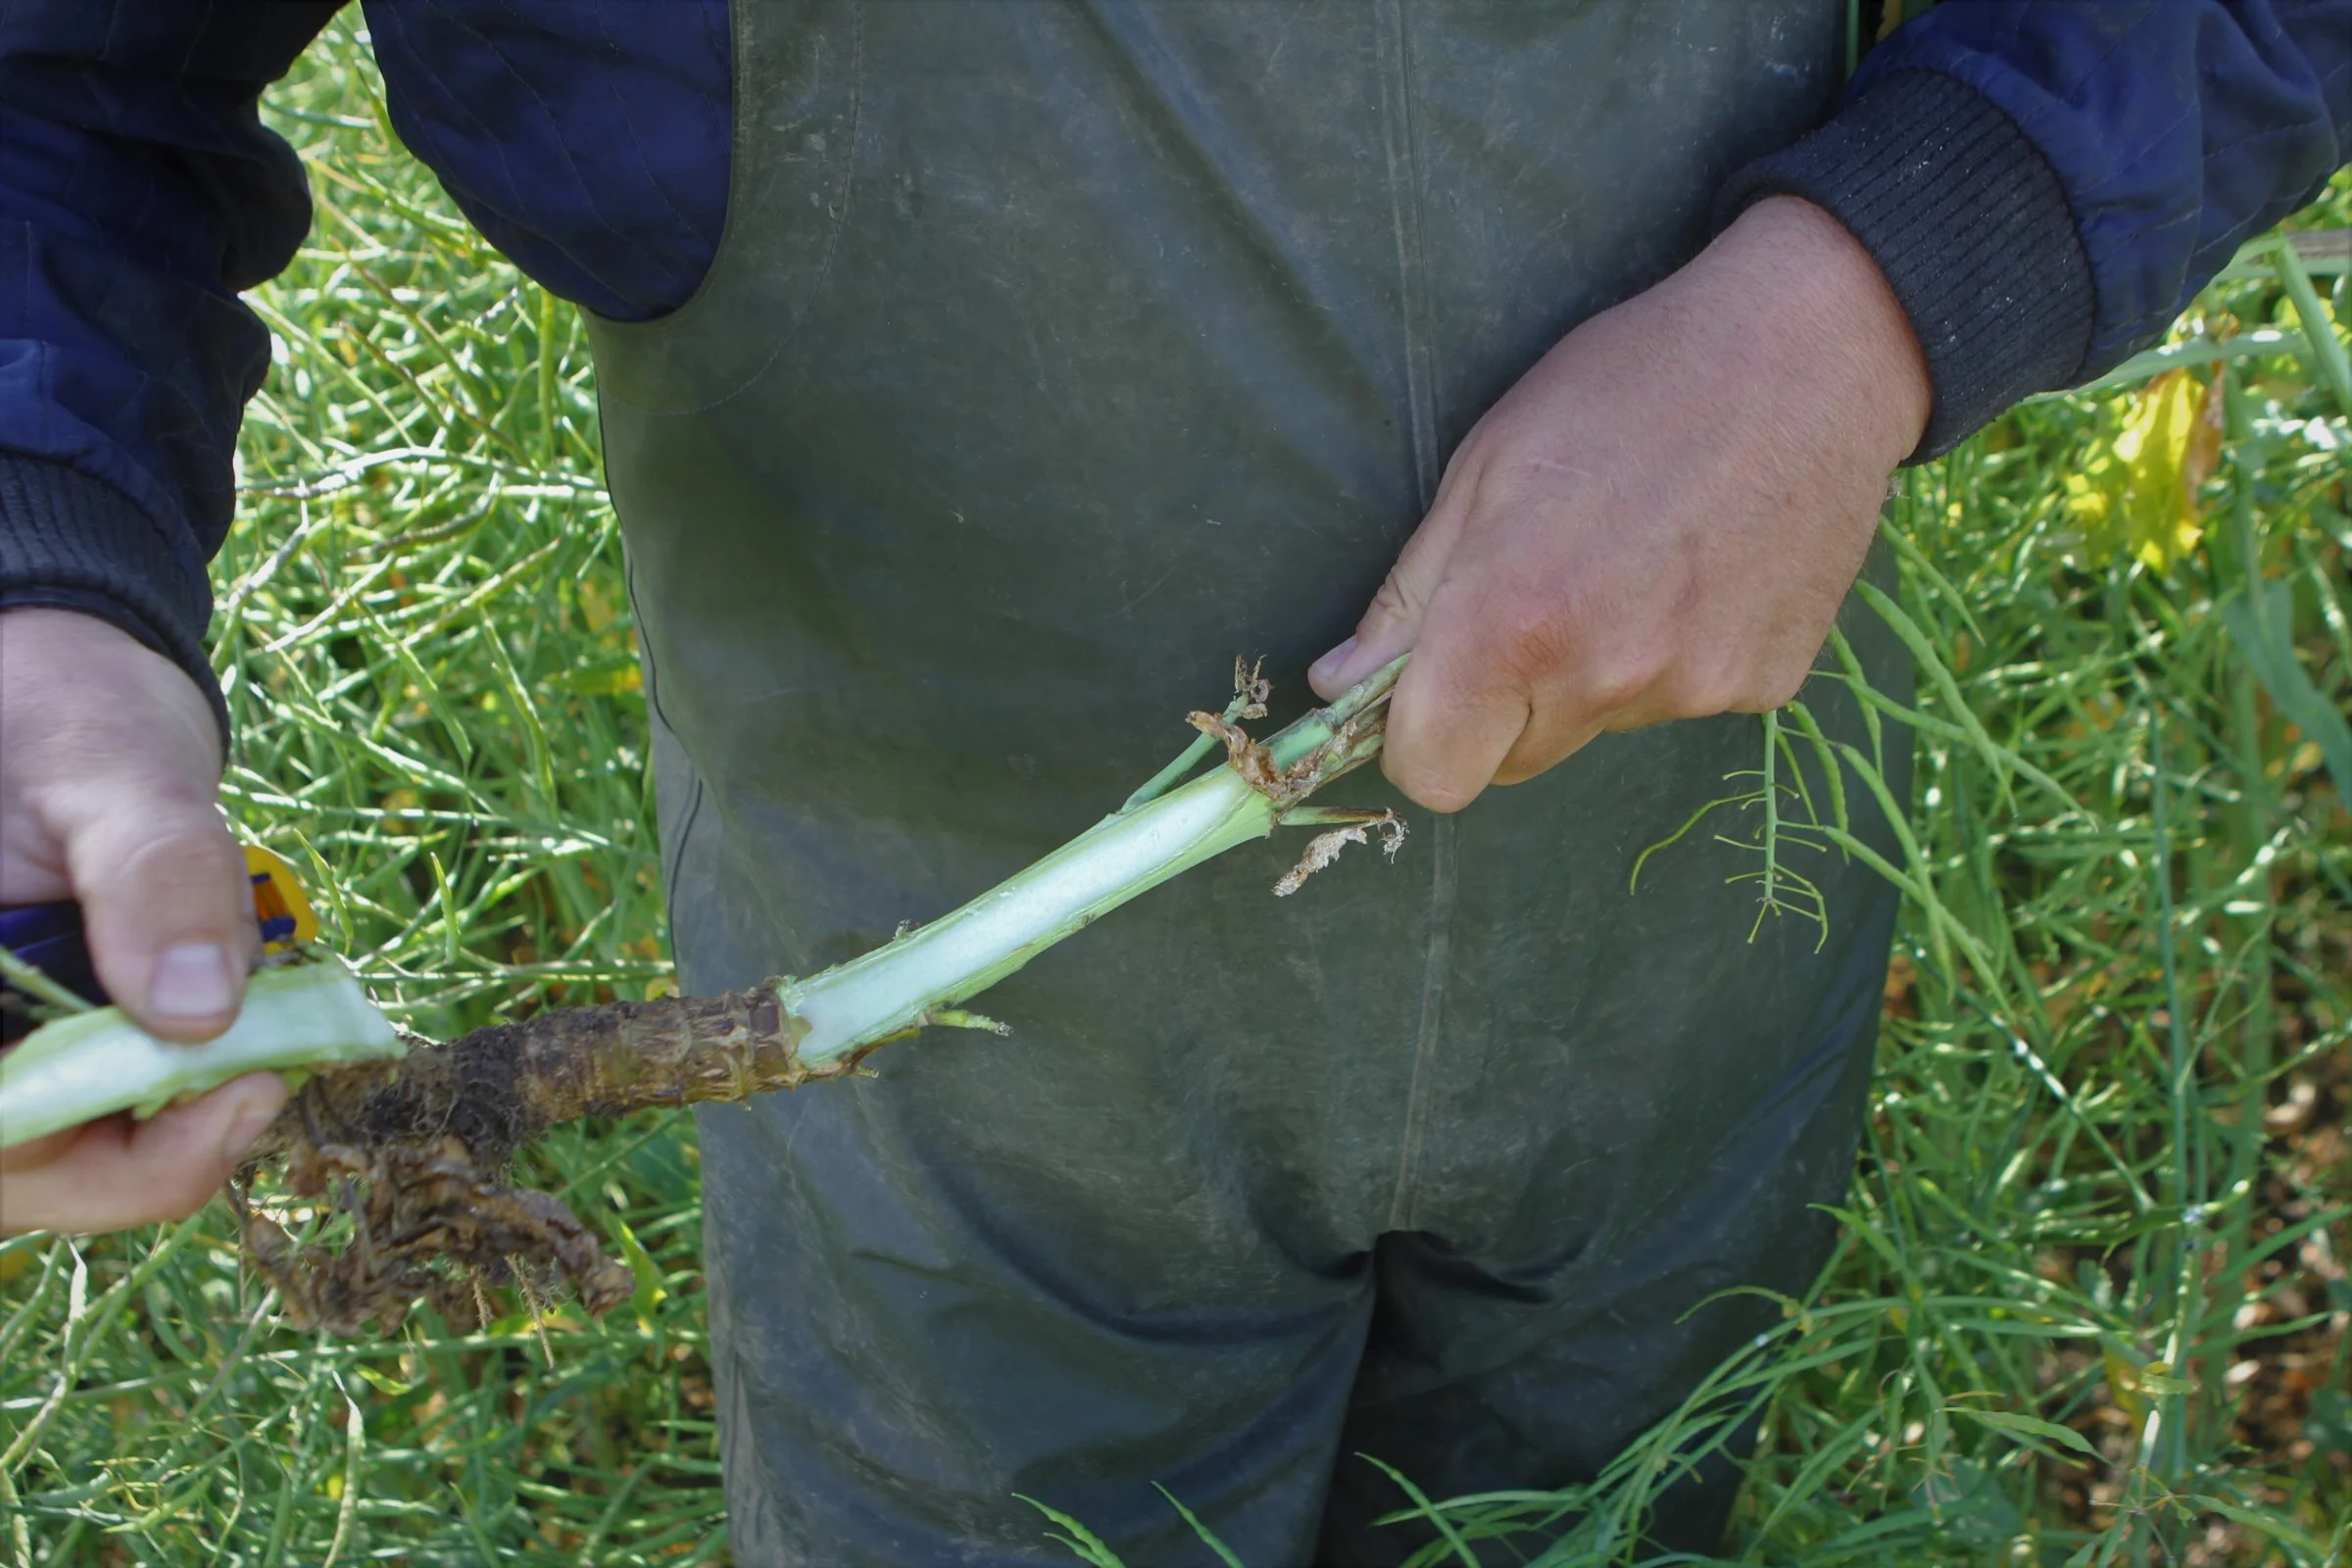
(2089, 1306)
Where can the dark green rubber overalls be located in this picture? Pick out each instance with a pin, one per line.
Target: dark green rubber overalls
(1058, 352)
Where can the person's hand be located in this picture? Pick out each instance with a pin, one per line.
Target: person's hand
(109, 765)
(1658, 521)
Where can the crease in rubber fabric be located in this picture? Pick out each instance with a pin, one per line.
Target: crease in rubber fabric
(1419, 342)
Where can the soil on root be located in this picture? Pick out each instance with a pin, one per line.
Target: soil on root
(413, 1151)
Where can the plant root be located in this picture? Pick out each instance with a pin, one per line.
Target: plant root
(412, 1151)
(412, 1209)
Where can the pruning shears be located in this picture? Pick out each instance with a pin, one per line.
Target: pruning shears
(49, 937)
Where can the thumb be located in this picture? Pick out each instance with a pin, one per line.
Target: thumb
(166, 906)
(1391, 623)
(106, 789)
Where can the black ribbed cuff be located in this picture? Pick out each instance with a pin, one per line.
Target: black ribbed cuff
(73, 542)
(1964, 216)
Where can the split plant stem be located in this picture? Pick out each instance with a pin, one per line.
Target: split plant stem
(499, 1087)
(428, 1129)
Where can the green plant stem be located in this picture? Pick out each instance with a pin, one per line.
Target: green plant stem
(98, 1063)
(901, 986)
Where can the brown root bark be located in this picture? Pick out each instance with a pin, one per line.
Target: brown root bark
(414, 1150)
(497, 1088)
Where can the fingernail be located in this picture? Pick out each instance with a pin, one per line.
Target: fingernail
(1331, 663)
(192, 980)
(244, 1127)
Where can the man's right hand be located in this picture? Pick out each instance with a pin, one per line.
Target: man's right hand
(110, 764)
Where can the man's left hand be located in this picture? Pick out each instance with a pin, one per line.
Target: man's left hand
(1658, 521)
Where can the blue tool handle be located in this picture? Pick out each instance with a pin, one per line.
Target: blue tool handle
(48, 936)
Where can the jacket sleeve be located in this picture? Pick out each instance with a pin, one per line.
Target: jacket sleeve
(139, 192)
(2047, 184)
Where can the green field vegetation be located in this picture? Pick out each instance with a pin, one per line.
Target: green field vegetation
(2091, 1304)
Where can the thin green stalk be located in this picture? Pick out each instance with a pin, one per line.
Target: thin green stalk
(1168, 777)
(34, 983)
(2164, 1439)
(20, 1531)
(2250, 826)
(2330, 364)
(547, 378)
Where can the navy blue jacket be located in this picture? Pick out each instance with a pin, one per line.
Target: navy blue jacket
(2046, 182)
